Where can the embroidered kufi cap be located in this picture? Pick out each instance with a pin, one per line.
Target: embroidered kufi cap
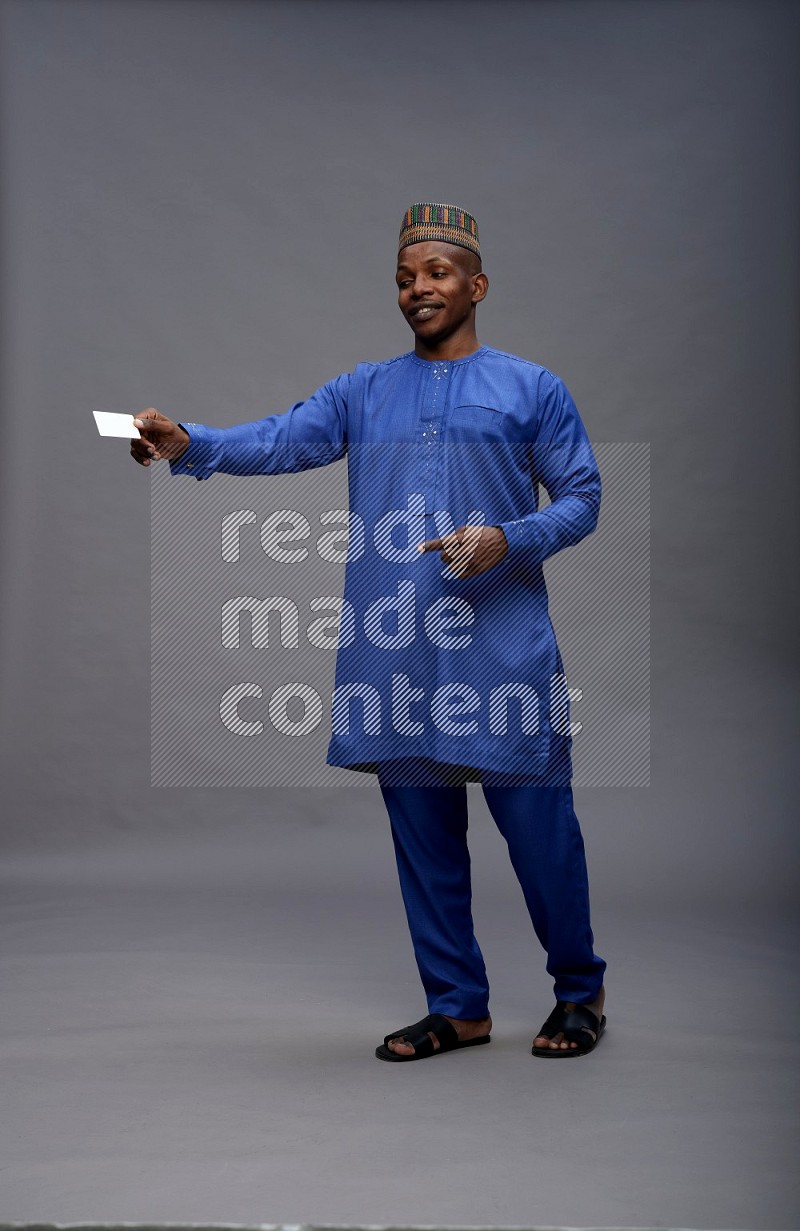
(448, 223)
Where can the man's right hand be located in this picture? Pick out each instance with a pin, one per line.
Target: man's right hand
(160, 437)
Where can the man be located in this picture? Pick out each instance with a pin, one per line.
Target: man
(448, 444)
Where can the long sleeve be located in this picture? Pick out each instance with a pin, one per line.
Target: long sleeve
(310, 434)
(565, 465)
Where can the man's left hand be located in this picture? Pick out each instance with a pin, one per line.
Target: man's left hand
(470, 550)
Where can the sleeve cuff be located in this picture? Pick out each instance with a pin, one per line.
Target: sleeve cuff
(198, 460)
(522, 538)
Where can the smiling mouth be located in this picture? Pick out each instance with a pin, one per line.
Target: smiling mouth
(424, 311)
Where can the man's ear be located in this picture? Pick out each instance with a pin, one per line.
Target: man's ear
(480, 286)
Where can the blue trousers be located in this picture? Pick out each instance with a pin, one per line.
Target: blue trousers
(429, 829)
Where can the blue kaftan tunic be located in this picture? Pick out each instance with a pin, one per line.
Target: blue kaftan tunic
(465, 672)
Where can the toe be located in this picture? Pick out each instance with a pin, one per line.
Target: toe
(404, 1048)
(556, 1043)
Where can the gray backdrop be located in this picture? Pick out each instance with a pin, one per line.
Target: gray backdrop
(201, 203)
(200, 208)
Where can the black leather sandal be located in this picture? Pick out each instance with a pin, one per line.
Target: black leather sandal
(419, 1038)
(580, 1025)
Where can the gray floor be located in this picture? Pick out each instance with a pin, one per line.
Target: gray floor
(188, 1028)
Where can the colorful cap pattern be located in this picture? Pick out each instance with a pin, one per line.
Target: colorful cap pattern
(448, 223)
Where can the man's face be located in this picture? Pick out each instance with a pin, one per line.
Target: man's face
(438, 285)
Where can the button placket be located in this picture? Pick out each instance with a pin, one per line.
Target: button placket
(431, 436)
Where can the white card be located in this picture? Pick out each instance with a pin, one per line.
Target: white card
(109, 423)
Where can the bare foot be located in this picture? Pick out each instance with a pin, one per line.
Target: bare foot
(558, 1042)
(464, 1029)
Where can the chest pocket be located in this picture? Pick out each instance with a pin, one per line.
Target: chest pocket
(472, 422)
